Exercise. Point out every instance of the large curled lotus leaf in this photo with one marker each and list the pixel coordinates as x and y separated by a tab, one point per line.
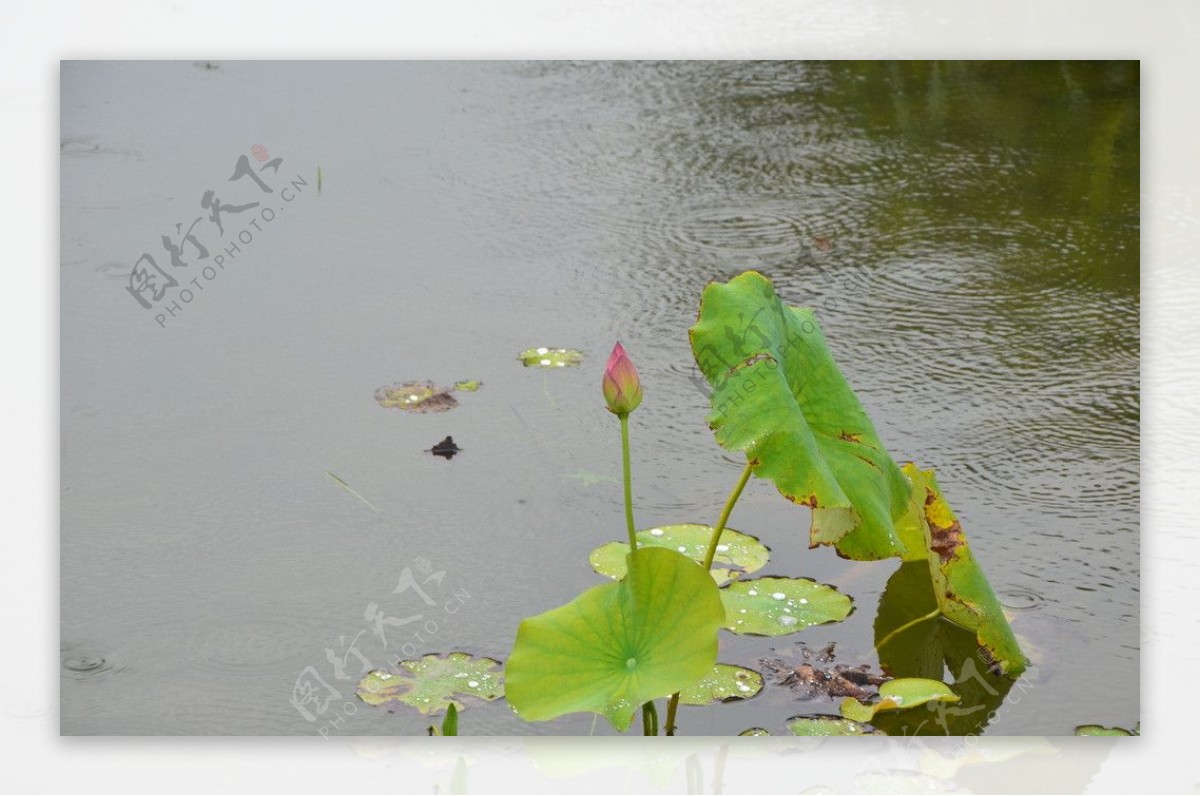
901	694
827	725
725	683
913	639
618	645
779	397
737	553
778	606
434	682
962	590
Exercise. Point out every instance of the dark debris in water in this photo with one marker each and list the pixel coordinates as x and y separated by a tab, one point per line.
446	448
811	681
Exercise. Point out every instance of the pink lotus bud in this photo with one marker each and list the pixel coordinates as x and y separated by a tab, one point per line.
622	389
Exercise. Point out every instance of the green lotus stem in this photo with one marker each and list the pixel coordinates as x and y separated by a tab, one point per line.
672	708
649	719
730	502
725	512
931	615
624	416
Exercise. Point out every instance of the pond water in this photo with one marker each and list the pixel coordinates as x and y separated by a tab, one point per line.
968	233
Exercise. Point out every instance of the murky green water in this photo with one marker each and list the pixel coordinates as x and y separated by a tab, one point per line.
969	233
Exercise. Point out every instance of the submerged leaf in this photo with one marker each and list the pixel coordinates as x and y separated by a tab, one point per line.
619	645
779	397
737	553
899	694
550	357
777	606
961	588
724	683
827	725
434	682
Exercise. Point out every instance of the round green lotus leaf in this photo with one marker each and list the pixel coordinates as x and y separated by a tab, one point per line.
618	645
828	725
1096	729
415	396
754	731
778	606
434	682
550	357
737	553
468	385
725	683
900	694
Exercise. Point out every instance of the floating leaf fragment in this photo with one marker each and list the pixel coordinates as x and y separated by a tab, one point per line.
544	357
468	385
434	682
415	396
737	553
725	683
906	692
777	606
827	725
754	731
1096	729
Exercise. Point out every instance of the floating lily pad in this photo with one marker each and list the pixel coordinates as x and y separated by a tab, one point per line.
907	692
415	396
1096	729
777	606
737	553
550	357
725	683
619	645
828	725
434	682
467	385
754	731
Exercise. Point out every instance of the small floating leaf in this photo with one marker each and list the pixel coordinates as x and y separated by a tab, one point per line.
899	694
415	396
550	357
754	731
434	682
724	683
468	385
828	725
777	606
737	553
619	645
1096	729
